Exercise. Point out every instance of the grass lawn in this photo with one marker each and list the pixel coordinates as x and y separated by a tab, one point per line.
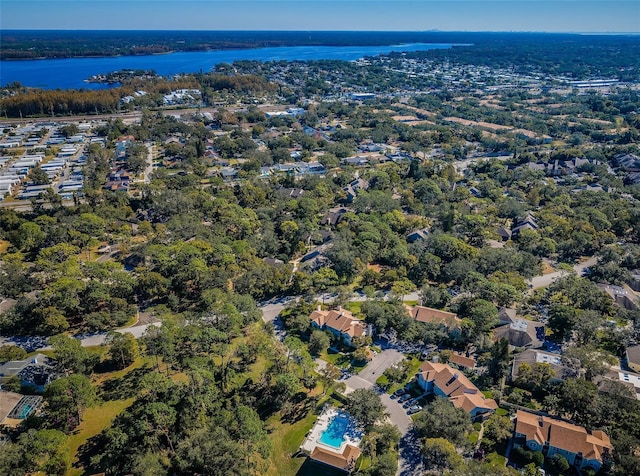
383	381
94	420
495	459
339	360
502	412
286	439
355	307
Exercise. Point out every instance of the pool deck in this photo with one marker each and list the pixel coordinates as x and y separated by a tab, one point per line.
312	439
8	401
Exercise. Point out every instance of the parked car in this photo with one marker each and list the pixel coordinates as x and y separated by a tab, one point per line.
398	393
414	409
404	398
410	403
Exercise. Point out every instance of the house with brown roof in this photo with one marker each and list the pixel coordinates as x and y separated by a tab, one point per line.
443	381
518	331
463	361
340	323
633	357
552	436
532	357
345	461
430	315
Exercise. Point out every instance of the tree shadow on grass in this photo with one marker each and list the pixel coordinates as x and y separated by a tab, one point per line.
123	387
299	408
311	468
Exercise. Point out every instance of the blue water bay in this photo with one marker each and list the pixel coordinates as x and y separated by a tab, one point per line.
70	73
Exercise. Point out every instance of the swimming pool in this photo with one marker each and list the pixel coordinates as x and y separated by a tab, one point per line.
334	434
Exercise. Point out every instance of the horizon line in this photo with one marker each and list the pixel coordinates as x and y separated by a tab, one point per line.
4	30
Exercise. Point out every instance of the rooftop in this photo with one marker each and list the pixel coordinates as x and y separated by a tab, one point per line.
563	435
434	316
633	354
340	320
456	386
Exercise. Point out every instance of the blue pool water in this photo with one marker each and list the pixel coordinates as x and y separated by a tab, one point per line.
334	434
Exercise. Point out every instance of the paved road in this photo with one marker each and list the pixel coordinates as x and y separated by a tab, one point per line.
545	280
33	343
98	339
408	459
271	309
379	364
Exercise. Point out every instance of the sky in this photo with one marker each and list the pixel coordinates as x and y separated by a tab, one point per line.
604	16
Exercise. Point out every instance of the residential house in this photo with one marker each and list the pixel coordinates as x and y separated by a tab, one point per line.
417	235
229	174
333	216
536	356
354	187
315	168
629	379
444	381
518	331
430	315
340	323
627	162
527	223
462	361
633	357
356	161
273	261
291	192
552	436
118	181
621	296
504	234
36	371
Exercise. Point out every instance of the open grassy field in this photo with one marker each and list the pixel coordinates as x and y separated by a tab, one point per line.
94	420
286	439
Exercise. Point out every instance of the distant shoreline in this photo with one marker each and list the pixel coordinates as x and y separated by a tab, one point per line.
22	45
